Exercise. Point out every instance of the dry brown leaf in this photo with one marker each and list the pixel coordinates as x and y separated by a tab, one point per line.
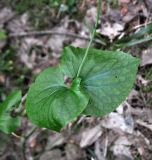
74	152
111	30
89	136
5	15
98	151
146	57
121	147
116	122
91	15
55	141
55	154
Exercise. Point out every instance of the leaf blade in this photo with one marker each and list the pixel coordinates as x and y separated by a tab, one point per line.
55	104
104	72
9	124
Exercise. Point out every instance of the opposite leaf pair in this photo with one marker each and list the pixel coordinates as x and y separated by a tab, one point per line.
104	82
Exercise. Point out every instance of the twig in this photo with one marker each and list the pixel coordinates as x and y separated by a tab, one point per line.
140	26
24	140
48	32
106	147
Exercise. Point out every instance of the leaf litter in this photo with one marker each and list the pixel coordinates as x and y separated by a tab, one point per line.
125	133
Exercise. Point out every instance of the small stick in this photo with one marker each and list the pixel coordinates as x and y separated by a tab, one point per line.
48	32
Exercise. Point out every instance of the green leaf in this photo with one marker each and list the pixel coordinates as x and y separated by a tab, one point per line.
134	38
104	82
51	104
134	42
2	35
9	124
71	2
107	77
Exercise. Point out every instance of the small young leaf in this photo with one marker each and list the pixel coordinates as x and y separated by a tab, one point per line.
51	104
9	124
107	77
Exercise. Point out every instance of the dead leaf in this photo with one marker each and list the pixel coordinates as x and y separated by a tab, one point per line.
91	16
55	141
74	152
98	151
5	15
146	57
121	147
89	136
117	122
55	154
111	30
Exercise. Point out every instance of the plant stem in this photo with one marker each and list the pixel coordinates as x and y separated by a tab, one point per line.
90	43
49	32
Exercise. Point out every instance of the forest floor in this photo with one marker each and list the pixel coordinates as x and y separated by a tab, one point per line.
34	39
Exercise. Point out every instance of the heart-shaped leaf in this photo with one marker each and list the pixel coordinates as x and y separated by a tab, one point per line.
107	76
9	124
51	104
105	81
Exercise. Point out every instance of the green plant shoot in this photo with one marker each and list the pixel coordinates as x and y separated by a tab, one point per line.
101	81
